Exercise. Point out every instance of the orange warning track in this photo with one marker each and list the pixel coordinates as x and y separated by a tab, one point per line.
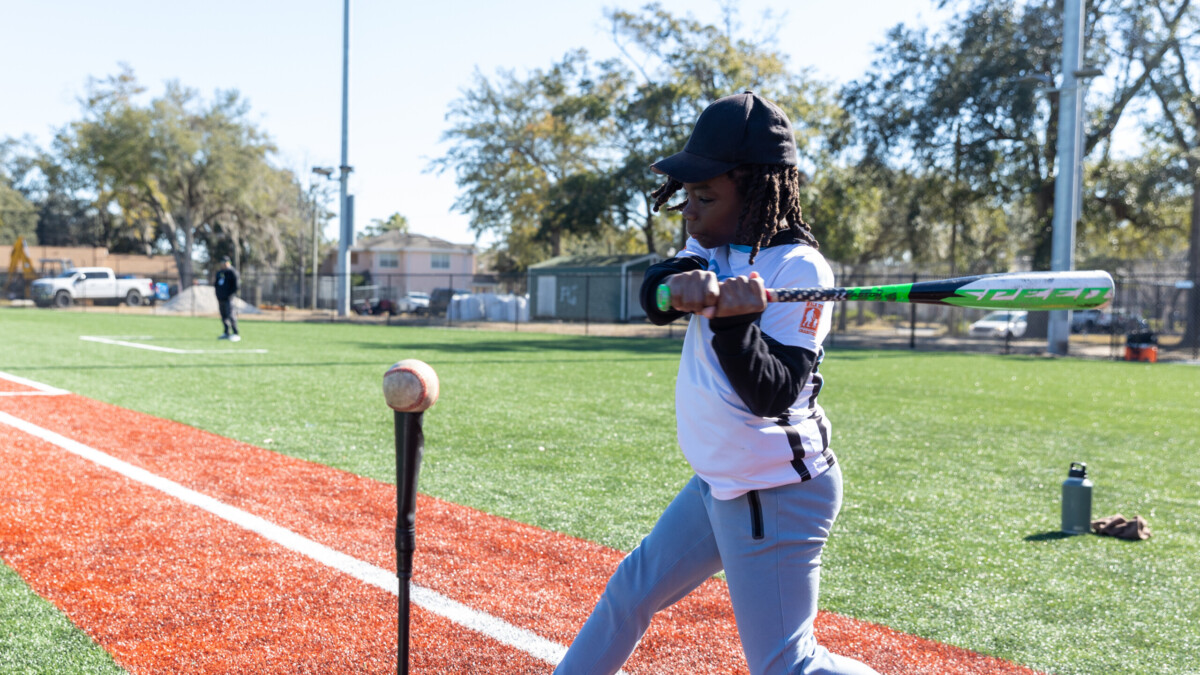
8	386
166	587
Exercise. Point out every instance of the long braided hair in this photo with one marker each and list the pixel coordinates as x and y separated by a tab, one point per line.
770	204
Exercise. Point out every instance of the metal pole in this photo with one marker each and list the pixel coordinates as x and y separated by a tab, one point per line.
300	275
912	320
1068	180
410	444
345	239
316	245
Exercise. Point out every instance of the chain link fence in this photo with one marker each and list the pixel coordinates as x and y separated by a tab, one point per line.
1156	303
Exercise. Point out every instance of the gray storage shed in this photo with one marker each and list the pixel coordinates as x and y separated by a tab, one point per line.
589	287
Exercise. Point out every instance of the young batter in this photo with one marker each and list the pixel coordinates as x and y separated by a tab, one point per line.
767	486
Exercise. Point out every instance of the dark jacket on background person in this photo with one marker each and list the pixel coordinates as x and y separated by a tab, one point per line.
227	283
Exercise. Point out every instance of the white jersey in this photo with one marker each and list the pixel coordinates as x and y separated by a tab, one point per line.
728	446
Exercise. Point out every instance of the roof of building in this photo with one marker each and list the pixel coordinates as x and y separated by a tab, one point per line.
400	241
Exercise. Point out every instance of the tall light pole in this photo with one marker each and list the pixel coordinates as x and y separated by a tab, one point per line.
346	224
1069	179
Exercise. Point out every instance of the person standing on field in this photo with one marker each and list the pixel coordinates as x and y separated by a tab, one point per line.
226	285
767	487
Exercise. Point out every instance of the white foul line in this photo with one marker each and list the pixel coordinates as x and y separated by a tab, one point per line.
430	600
169	350
39	388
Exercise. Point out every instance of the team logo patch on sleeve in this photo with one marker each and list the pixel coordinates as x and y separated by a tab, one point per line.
811	318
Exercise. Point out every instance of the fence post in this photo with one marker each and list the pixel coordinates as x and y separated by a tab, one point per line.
1191	318
912	320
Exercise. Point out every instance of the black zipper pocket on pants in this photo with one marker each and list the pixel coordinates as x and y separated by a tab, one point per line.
756	517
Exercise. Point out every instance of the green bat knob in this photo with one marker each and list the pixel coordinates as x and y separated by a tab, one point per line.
663	298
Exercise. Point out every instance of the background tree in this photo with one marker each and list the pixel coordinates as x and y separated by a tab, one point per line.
257	228
964	103
18	218
393	223
191	169
1137	207
69	209
678	67
559	161
515	139
1176	87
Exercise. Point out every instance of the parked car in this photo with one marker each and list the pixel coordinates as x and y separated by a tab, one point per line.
1117	322
439	299
413	302
375	307
363	299
368	302
1001	324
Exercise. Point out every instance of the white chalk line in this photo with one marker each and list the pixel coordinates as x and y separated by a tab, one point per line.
39	389
155	348
432	601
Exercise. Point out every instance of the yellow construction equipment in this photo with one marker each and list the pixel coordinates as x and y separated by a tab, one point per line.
20	267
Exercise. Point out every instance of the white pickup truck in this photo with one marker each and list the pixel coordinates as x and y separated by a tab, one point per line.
98	284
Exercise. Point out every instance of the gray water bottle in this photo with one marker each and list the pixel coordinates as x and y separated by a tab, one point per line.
1077	501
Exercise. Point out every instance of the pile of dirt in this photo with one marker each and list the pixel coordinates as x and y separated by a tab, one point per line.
202	300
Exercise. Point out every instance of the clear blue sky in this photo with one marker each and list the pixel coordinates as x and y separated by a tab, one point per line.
408	61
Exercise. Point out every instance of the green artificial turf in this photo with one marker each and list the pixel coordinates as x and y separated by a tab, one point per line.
953	462
37	639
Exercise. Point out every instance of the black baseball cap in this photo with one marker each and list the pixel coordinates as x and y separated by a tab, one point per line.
740	129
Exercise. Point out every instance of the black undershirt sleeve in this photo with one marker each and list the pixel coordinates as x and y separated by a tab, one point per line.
765	373
655	275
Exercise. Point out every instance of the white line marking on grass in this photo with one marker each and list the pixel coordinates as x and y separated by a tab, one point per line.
169	350
39	388
432	601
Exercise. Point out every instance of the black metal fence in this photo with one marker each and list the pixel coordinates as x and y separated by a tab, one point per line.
1156	303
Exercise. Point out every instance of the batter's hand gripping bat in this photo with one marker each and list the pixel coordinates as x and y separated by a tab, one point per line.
1014	290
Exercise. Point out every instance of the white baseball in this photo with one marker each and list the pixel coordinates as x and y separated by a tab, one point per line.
410	386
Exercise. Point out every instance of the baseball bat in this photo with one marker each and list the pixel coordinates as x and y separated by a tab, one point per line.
1035	291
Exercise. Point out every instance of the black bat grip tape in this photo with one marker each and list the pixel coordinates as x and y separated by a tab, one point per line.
807	294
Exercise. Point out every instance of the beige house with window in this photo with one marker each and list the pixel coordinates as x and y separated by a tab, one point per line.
405	262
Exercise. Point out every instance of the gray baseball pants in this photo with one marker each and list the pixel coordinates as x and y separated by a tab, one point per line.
769	544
